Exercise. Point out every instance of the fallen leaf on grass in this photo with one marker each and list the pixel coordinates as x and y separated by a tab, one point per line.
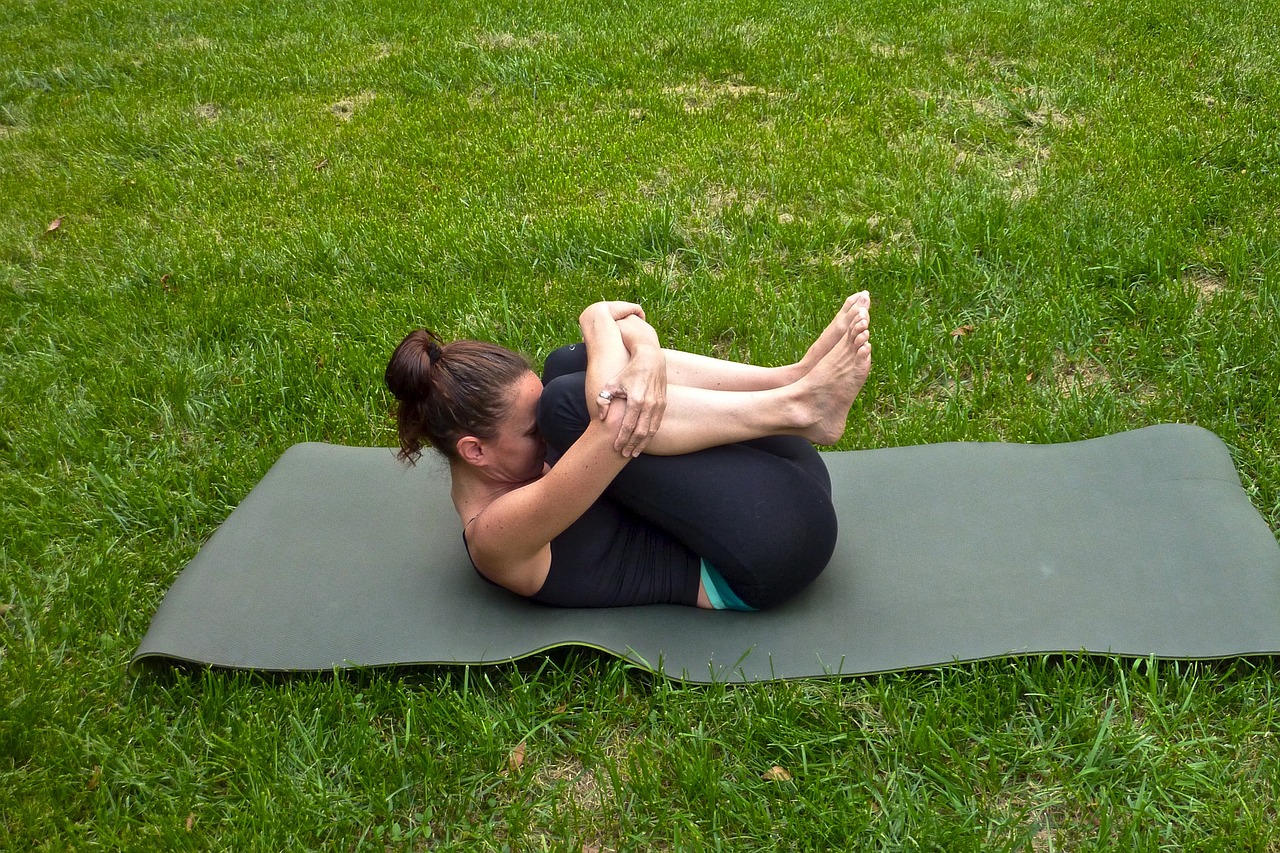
191	820
516	759
54	225
5	608
323	164
776	774
960	331
96	778
559	709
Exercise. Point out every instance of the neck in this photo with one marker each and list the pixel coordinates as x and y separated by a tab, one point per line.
475	488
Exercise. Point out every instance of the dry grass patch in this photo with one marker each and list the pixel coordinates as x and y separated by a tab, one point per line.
189	43
509	41
345	109
716	199
1206	284
703	95
751	32
206	112
669	270
1055	823
885	238
706	211
659	187
1069	374
890	51
1026	112
573	784
849	256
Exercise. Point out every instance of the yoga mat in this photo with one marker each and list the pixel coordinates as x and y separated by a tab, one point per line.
1141	543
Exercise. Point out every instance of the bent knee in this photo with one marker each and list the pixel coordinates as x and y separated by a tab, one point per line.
562	410
570	358
792	561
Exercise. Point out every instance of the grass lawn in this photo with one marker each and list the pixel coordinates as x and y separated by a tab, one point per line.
216	219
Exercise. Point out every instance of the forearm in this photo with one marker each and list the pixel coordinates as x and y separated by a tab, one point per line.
625	364
524	520
607	353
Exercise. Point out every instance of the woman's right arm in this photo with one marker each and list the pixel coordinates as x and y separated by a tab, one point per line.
511	539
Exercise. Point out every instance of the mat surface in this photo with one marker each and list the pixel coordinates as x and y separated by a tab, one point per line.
1141	543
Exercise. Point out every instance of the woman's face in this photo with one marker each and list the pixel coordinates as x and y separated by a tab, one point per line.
519	452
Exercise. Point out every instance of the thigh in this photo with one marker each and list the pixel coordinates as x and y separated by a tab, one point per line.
764	522
799	452
562	412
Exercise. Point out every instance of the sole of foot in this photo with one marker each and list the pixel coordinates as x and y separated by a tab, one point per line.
836	329
835	382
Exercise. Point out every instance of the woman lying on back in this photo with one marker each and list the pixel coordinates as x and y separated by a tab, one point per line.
631	474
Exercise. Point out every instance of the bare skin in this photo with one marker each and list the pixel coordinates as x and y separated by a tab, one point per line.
815	406
700	371
512	505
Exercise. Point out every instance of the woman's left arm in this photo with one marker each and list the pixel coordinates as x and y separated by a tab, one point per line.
636	373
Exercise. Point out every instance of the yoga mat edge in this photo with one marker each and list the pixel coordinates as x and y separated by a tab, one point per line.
1139	544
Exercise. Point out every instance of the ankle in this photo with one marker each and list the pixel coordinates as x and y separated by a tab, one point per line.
800	410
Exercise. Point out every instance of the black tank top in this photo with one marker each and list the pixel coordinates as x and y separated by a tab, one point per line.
611	558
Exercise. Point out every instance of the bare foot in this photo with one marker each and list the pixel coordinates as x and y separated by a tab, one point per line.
827	392
832	334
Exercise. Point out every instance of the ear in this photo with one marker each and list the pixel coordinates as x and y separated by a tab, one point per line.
471	450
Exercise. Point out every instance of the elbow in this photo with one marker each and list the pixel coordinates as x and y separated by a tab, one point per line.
590	312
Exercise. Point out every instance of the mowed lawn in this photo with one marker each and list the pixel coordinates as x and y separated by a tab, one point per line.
217	219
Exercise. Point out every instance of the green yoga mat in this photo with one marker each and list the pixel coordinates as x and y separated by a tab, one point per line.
1141	543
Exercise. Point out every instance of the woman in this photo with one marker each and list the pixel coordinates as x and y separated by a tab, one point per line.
692	482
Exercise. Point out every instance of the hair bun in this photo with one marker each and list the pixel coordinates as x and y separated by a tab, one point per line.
409	373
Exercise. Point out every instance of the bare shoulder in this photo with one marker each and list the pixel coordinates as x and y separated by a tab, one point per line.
491	532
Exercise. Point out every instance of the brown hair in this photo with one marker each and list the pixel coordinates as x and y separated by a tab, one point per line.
447	391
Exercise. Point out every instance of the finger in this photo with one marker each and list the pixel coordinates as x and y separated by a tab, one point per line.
602	407
646	426
641	437
628	429
603	399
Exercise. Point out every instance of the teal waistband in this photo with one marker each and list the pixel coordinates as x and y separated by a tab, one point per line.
720	594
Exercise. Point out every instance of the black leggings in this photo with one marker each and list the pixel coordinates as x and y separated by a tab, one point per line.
759	512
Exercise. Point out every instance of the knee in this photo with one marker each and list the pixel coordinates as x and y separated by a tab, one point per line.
562	410
571	358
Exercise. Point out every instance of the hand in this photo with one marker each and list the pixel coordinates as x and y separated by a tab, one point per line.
618	310
642	385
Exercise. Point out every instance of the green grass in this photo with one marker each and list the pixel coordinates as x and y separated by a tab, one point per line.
255	205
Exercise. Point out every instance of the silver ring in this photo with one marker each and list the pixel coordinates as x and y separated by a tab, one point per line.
606	396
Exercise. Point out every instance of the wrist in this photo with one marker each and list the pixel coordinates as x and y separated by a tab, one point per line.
636	333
